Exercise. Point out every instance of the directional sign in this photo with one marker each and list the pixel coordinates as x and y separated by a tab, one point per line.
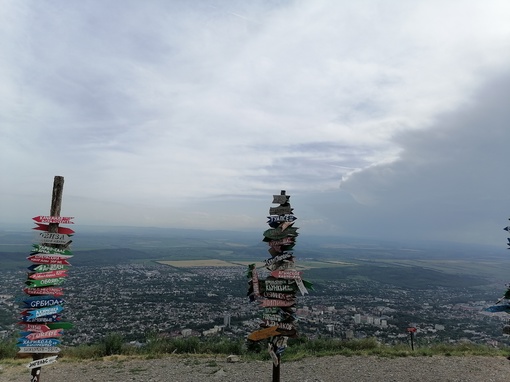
37	349
282	257
42	320
44	258
43	312
498	308
274	233
277	286
281	199
45	282
281	242
271	302
42	362
281	218
264	333
45	335
53	219
51	250
280	325
43	291
282	210
47	267
42	301
60	325
279	296
48	275
22	342
287	274
53	238
46	227
35	328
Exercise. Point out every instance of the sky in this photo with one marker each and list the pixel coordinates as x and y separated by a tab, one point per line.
381	119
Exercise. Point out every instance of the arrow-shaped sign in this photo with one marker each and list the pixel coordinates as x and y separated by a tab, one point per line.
45	335
45	258
287	274
51	250
281	303
43	312
57	292
36	349
47	267
46	227
39	343
281	199
264	333
48	275
53	238
42	362
281	218
45	282
42	301
53	219
282	210
42	320
35	328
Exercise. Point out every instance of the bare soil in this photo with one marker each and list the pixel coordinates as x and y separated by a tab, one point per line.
325	369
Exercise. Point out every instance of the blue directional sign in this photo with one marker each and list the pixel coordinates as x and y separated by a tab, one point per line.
23	342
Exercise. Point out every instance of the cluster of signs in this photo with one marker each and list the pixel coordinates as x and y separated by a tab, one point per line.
277	293
41	317
503	303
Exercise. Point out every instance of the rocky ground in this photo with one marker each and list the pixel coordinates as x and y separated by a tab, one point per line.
326	369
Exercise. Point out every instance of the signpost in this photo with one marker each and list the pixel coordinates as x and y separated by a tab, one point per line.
277	293
42	362
41	321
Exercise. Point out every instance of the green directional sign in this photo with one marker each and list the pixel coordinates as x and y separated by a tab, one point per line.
50	250
45	282
59	325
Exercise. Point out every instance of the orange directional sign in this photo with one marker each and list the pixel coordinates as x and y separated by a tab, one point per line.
264	333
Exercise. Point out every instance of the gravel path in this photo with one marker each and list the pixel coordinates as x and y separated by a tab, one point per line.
325	369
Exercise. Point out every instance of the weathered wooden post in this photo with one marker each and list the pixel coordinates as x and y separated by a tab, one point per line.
41	319
277	293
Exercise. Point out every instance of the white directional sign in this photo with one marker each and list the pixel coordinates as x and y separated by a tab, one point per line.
42	362
53	238
39	349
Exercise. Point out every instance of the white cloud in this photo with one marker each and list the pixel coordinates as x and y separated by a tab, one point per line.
173	104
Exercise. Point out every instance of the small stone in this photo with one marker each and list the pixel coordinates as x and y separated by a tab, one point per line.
233	358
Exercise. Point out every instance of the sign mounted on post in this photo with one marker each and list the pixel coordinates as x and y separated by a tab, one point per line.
53	238
42	362
46	227
42	314
53	219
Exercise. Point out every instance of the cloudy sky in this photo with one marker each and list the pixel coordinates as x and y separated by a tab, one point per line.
380	118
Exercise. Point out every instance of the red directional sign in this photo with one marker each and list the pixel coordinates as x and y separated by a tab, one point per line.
49	259
48	275
36	328
287	274
57	292
47	334
46	227
53	219
281	303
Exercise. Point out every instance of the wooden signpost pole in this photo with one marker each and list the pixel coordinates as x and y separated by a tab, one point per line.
56	204
277	293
